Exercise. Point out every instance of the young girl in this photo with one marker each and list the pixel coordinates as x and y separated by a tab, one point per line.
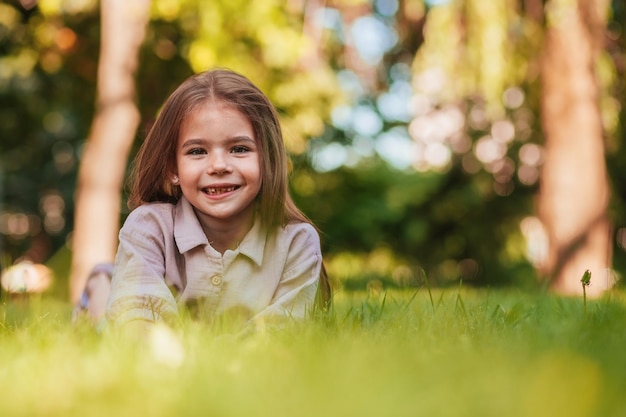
213	224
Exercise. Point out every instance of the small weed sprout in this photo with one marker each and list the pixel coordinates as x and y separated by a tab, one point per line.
585	281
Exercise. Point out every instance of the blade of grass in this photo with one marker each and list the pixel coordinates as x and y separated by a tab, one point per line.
430	294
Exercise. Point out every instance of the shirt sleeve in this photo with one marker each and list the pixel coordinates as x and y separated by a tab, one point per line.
295	294
138	288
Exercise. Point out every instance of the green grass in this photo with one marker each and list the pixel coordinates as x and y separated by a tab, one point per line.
460	353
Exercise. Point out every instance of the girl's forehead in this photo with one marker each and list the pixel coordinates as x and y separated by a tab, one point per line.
215	103
212	104
211	113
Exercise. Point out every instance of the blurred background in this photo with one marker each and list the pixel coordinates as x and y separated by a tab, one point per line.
416	128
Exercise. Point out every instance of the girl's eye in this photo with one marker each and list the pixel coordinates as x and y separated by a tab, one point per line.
239	149
196	151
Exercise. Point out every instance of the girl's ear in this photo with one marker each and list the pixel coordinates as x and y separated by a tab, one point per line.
171	186
174	179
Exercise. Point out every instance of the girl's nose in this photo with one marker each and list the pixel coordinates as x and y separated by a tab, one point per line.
218	164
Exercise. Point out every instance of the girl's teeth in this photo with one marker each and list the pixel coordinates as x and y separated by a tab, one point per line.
220	190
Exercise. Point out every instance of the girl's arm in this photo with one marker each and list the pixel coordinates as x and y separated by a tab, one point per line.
138	288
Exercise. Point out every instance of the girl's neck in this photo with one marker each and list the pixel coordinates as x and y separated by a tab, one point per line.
223	237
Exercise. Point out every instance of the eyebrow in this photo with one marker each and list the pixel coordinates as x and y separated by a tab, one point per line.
235	139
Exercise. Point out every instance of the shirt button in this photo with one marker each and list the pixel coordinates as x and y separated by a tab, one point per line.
216	280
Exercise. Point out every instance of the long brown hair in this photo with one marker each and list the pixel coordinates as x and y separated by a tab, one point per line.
156	160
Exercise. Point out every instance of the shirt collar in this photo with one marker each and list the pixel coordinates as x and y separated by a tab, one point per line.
188	233
253	244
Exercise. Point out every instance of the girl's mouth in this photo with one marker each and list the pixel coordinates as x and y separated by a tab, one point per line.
220	190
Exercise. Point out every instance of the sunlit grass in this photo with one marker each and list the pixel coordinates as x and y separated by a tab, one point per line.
462	352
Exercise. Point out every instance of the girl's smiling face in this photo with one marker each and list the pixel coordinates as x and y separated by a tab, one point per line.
218	166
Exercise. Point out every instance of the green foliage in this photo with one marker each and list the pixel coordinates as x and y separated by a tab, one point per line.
499	48
44	115
443	223
481	35
498	353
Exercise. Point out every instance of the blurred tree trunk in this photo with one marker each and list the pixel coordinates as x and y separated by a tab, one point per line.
574	192
103	163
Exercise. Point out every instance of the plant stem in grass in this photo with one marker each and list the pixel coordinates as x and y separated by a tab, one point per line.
585	281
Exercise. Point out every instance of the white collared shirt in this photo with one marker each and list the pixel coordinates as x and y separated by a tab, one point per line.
164	259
